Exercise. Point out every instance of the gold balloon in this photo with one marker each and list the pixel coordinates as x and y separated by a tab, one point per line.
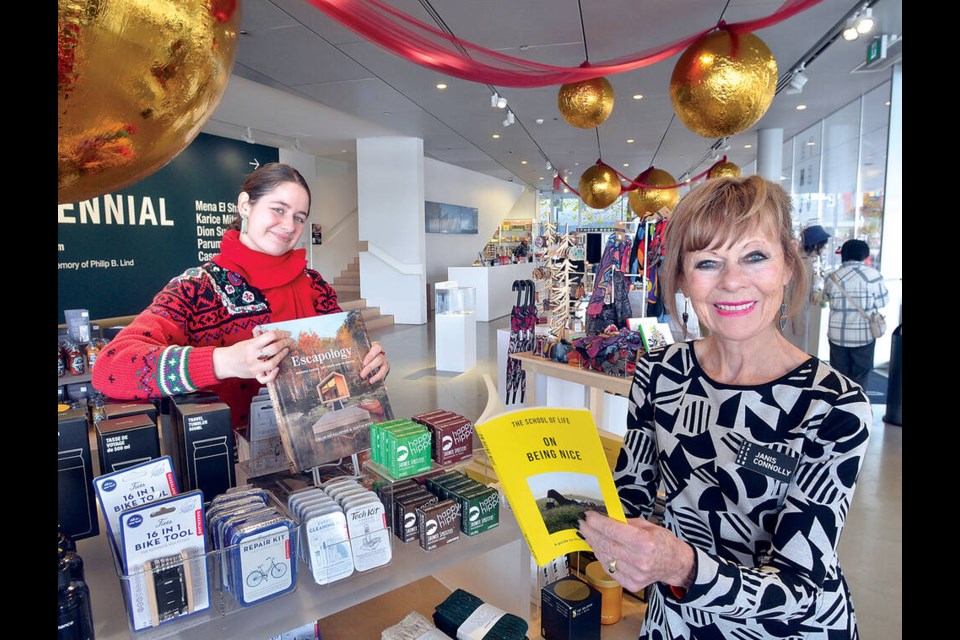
723	83
599	186
586	104
644	201
137	79
724	170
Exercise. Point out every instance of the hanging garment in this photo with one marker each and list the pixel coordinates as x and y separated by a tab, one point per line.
653	256
615	258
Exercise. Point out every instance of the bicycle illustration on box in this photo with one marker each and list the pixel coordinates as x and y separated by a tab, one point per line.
274	570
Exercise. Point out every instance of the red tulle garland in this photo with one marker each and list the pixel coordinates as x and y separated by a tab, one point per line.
430	47
636	184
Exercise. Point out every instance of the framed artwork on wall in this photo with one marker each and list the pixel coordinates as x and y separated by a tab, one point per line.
450	218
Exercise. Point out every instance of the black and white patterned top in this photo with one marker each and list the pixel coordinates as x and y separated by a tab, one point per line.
758	480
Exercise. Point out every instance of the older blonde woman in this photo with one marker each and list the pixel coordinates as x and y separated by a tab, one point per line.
755	445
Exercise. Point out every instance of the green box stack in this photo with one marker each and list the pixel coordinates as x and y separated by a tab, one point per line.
479	504
402	447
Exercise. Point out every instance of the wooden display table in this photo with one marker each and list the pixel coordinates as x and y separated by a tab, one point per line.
569	386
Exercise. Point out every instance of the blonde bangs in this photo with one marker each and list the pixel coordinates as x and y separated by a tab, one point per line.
717	213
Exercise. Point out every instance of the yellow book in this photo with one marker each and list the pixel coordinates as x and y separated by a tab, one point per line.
552	467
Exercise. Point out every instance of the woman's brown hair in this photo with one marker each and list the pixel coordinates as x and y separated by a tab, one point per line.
715	213
265	179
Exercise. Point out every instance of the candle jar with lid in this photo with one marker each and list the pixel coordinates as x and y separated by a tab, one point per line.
611	605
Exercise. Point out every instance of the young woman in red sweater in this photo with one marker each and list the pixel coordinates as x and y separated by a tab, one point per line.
198	331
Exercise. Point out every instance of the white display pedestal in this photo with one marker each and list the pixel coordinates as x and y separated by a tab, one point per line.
456	341
495	296
455	332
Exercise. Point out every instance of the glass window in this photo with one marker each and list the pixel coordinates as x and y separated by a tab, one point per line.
841	152
805	177
568	212
873	165
836	173
786	171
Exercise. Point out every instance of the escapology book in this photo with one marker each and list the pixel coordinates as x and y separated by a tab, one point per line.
551	465
324	409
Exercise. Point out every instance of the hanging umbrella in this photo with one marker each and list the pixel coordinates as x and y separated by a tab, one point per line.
515	371
528	324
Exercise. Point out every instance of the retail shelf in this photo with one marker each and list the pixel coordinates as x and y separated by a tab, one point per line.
310	601
618	385
70	378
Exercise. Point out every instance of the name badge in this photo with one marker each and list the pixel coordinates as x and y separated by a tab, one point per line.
773	464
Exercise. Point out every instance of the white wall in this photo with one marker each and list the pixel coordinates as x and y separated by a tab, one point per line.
333	205
390	196
494	199
335	200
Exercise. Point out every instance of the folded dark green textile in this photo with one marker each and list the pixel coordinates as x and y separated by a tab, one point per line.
452	612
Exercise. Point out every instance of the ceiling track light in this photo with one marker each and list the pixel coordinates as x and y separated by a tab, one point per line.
510	119
248	136
296	144
797	79
497	101
865	22
850	32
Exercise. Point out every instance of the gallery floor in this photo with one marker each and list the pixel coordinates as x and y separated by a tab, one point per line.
871	546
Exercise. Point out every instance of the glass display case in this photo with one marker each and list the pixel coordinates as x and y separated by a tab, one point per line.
456	326
455	300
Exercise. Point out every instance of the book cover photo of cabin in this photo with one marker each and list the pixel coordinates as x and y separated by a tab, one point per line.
324	409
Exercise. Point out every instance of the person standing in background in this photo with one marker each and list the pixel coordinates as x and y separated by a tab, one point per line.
521	251
848	331
803	330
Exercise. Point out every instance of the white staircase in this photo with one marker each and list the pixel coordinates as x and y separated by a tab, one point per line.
347	286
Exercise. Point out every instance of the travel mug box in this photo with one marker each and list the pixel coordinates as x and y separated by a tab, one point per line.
570	610
124	442
79	390
76	500
174	445
205	433
122	409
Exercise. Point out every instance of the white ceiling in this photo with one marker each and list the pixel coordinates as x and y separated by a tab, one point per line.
338	87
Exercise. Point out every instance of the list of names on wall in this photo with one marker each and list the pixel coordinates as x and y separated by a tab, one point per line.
212	219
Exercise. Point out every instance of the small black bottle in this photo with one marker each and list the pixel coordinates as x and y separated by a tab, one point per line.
74	615
72	564
65	542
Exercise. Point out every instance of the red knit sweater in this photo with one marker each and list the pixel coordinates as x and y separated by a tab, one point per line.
168	349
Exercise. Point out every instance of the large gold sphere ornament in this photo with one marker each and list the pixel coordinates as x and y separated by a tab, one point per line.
599	186
586	104
136	81
644	201
723	83
723	170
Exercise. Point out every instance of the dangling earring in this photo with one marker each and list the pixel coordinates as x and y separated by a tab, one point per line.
685	317
783	312
243	224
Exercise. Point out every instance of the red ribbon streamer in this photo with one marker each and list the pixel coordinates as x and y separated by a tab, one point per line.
635	184
430	47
